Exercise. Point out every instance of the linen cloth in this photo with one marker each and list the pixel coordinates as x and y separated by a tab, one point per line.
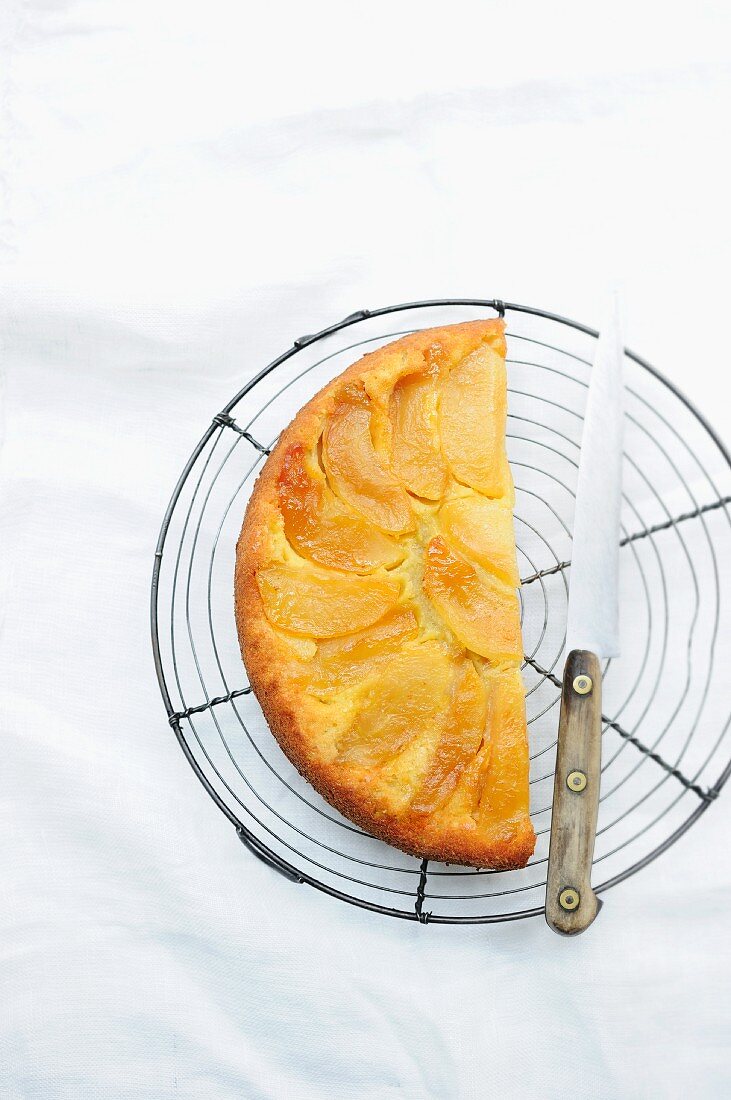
185	189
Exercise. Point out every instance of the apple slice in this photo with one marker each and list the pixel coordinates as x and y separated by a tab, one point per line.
416	457
321	527
472	418
321	603
461	738
355	470
353	657
397	706
482	530
493	786
482	612
505	792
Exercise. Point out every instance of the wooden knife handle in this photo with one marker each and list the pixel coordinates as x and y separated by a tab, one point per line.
571	904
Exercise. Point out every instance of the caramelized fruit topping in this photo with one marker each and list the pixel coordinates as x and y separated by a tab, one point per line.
504	793
353	657
461	737
481	611
472	417
398	707
416	457
355	470
320	527
321	603
482	530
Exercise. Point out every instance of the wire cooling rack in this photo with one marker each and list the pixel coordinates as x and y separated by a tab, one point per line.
666	700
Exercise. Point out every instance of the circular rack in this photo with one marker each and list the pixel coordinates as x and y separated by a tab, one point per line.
666	700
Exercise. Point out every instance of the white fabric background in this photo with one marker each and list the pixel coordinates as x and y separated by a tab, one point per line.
186	187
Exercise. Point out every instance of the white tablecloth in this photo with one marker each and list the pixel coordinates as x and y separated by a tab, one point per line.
185	188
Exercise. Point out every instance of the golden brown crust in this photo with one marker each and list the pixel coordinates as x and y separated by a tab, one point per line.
290	712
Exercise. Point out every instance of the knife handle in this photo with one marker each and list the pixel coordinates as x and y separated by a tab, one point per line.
571	904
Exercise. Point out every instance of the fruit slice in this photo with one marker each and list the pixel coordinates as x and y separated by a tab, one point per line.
482	612
321	527
397	706
482	530
355	470
321	603
472	418
461	738
493	787
465	802
352	657
505	791
416	457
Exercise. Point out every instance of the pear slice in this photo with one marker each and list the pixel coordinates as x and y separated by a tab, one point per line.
460	740
355	470
320	527
416	456
472	420
321	603
482	612
482	530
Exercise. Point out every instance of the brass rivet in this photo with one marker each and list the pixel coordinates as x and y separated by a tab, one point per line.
569	899
576	781
583	684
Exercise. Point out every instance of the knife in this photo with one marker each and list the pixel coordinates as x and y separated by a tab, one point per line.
592	634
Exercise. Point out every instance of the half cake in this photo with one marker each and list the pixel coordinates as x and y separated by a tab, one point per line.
376	600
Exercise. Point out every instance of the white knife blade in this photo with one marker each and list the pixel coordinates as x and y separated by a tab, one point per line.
593	615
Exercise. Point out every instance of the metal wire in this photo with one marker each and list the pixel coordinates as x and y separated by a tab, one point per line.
660	719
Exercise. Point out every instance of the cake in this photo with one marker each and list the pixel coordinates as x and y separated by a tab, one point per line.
376	603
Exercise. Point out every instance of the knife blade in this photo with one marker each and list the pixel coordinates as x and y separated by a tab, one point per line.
592	634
